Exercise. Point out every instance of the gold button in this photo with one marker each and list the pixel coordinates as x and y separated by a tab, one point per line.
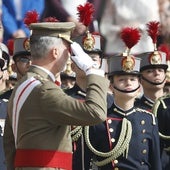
116	161
116	168
144	131
144	151
111	130
142	122
113	140
144	140
109	121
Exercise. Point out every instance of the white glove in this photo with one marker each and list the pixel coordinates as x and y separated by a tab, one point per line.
83	60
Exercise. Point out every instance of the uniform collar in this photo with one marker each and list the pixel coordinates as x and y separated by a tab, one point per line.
119	110
50	74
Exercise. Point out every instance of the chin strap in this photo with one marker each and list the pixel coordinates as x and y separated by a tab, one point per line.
153	82
124	91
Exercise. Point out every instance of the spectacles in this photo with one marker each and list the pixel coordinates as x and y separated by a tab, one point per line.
24	60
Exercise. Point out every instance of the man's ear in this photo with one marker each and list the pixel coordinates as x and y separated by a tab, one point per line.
55	52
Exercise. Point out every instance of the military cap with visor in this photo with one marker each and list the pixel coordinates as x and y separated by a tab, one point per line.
48	27
53	29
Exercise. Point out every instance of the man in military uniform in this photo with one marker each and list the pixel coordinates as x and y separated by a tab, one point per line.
129	138
37	130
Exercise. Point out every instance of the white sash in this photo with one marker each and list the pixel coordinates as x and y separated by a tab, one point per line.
21	95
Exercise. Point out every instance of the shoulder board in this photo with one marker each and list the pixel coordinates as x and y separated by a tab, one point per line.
150	113
143	110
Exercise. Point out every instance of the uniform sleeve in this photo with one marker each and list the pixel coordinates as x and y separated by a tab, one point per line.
67	110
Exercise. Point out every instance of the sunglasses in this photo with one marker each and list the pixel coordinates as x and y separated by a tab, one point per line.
24	60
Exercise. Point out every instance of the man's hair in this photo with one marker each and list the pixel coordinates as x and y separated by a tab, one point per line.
40	45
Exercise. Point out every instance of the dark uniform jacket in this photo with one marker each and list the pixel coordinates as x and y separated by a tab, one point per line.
143	151
162	111
144	103
79	147
163	125
45	118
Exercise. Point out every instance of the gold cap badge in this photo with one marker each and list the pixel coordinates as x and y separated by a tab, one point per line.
128	63
155	58
89	42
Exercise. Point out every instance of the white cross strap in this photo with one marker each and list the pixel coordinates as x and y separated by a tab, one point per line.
21	95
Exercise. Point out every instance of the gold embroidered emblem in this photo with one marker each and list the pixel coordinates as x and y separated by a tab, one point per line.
155	58
128	63
89	42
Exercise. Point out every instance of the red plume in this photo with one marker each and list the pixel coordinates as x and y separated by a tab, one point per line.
153	30
85	13
50	19
166	49
10	45
31	17
130	36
